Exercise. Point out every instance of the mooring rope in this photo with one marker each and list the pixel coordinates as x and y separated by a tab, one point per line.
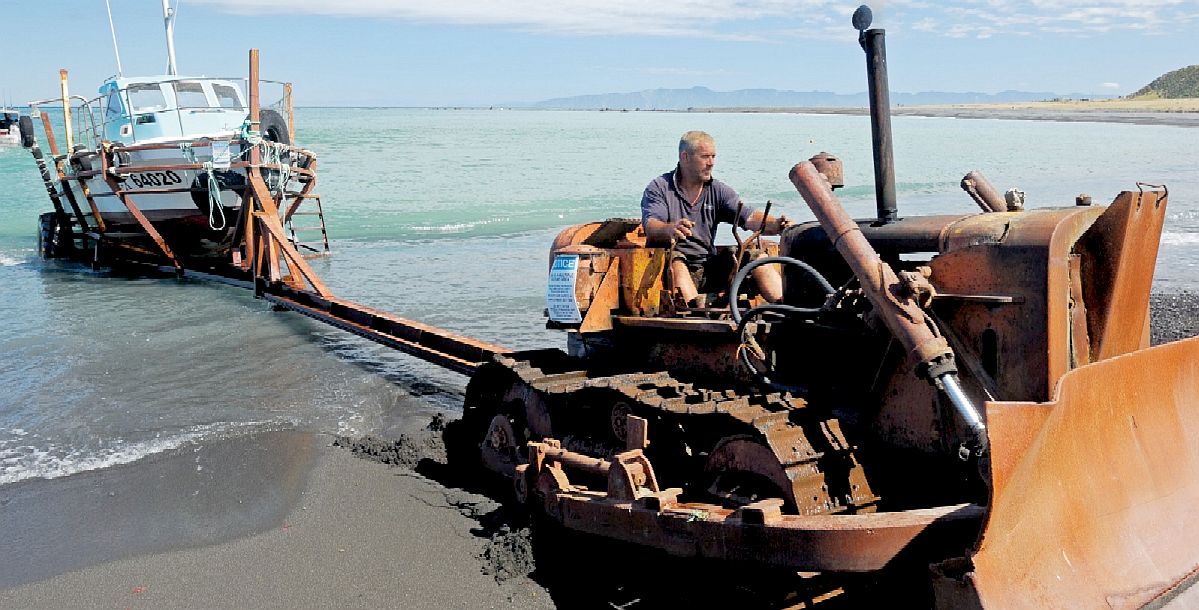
215	206
272	154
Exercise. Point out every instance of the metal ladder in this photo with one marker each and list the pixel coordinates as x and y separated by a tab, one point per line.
310	248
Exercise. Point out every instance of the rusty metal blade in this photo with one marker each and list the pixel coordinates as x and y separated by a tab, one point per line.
1096	494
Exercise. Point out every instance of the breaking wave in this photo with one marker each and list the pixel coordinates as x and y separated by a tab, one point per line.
21	460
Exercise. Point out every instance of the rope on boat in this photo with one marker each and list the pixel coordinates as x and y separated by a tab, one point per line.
272	154
215	206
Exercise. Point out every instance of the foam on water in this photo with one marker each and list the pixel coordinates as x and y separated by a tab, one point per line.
1179	239
19	462
459	227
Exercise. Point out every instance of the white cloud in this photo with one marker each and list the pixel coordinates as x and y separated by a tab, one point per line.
754	20
1110	85
707	18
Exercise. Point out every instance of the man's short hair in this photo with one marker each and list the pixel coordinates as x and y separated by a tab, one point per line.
691	139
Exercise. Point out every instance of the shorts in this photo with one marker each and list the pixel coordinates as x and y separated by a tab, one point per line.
714	274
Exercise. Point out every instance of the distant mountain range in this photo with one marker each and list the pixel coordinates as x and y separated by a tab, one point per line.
703	97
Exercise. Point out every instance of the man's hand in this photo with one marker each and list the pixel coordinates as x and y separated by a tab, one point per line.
681	229
769	226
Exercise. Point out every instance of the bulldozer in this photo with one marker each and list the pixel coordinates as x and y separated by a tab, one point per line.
967	400
973	394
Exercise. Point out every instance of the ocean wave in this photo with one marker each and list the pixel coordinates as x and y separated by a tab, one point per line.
1180	239
458	227
8	261
52	461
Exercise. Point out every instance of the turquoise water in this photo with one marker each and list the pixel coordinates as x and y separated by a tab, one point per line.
446	216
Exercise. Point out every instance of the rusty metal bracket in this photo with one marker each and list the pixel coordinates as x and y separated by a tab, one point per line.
1162	197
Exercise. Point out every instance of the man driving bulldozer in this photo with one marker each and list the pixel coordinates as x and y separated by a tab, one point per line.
683	208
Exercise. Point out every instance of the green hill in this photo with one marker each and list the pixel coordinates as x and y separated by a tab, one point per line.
1183	82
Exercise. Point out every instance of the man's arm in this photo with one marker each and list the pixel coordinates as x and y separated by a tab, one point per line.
653	210
774	225
661	231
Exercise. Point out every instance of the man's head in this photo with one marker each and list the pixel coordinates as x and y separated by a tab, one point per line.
697	156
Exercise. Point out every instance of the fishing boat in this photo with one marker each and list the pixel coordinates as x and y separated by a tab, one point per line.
163	165
9	131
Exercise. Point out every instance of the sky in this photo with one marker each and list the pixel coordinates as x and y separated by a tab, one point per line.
501	52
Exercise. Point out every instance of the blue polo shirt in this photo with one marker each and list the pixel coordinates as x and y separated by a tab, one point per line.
717	203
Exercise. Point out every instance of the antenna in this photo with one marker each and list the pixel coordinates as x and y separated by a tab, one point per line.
168	18
112	28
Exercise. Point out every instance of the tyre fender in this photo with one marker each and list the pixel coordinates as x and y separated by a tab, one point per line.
272	127
25	124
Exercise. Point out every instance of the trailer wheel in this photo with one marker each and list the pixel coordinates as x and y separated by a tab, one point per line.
43	233
52	241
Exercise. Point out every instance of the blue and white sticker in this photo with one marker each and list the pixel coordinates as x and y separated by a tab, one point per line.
222	158
560	292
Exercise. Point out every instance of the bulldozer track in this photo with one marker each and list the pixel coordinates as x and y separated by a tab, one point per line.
732	446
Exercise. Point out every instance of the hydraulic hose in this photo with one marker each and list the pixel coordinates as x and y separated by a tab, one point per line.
775	309
735	287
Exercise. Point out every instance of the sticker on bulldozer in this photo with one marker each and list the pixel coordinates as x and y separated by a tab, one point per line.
560	292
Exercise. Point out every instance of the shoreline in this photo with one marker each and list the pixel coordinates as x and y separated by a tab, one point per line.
1174	113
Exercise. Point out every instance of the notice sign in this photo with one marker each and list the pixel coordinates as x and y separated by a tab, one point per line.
221	157
560	293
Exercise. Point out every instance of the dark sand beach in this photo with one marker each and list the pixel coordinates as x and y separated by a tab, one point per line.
281	520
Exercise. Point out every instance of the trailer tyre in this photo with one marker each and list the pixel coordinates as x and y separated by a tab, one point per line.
52	238
26	126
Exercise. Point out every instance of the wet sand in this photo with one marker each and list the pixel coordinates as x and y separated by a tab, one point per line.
284	520
295	520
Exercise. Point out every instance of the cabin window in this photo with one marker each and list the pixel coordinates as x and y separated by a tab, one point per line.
190	94
112	106
146	97
227	96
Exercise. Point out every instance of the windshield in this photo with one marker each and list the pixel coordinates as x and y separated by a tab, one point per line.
112	107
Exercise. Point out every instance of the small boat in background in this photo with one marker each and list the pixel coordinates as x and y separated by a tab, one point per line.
160	166
9	131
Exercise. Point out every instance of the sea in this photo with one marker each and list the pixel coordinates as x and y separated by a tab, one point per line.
446	216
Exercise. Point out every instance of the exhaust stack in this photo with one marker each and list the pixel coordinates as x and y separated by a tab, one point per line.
874	43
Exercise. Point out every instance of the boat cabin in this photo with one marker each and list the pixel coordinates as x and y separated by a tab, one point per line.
8	126
156	108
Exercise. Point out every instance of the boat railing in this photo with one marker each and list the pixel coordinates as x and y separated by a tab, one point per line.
84	129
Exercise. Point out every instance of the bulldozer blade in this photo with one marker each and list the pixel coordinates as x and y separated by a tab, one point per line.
1096	494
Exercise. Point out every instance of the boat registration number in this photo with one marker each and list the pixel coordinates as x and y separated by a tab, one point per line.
147	179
